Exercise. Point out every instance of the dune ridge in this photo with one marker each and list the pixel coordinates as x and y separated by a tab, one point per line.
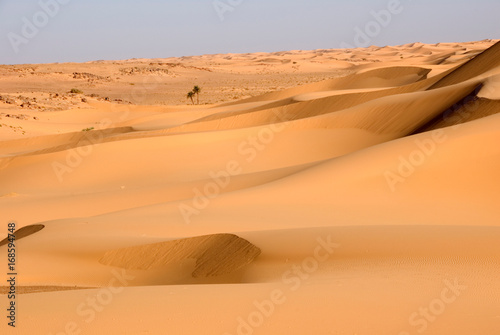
487	60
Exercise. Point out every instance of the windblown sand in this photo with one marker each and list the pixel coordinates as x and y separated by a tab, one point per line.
310	192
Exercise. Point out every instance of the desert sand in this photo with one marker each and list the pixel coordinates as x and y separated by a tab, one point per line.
310	192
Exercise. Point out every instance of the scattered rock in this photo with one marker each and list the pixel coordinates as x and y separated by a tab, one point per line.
143	70
90	77
16	116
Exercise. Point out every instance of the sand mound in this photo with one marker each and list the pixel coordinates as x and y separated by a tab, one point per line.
24	232
215	254
440	58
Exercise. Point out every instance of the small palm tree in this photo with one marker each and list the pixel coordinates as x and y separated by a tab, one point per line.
190	95
197	91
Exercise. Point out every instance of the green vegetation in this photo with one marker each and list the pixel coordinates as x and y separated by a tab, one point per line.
190	95
196	91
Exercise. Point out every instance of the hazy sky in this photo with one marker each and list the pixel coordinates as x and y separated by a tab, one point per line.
83	30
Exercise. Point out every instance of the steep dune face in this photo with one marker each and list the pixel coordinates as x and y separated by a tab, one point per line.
379	187
469	109
485	61
478	104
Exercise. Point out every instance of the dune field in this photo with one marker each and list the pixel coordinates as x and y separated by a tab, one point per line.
346	192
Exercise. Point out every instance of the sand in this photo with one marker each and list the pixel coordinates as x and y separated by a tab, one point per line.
310	192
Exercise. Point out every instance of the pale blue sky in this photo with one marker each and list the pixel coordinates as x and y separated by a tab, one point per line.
84	30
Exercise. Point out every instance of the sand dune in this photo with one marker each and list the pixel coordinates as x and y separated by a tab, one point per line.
215	255
478	65
327	191
376	78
